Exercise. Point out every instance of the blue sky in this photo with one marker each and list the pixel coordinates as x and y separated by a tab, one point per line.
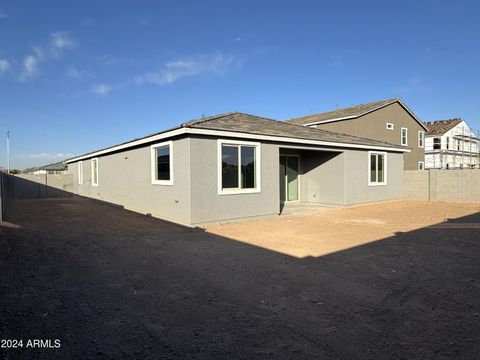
78	76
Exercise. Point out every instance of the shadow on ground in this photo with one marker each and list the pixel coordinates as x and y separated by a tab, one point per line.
113	284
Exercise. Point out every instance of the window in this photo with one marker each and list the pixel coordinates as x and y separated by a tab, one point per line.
404	136
436	144
239	167
94	172
377	168
389	126
421	165
80	172
162	164
448	143
421	138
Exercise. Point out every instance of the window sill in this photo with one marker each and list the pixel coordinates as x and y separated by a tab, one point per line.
166	182
238	191
377	184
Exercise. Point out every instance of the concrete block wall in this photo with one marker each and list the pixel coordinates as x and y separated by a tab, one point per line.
27	186
443	185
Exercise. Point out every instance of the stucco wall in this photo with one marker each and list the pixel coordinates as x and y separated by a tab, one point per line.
210	207
322	177
124	178
373	126
356	185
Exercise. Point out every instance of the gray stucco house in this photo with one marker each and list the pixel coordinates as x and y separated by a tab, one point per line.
386	120
237	166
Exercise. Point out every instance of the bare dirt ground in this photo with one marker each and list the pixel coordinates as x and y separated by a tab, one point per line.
329	230
390	280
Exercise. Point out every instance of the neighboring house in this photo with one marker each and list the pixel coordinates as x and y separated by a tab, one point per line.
238	166
386	120
451	144
57	168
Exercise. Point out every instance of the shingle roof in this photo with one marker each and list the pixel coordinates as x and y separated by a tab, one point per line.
353	111
440	127
249	124
245	123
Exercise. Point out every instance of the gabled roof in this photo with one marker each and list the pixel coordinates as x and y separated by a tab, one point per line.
351	112
440	127
240	125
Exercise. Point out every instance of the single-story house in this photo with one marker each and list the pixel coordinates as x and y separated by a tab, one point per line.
238	166
386	120
56	168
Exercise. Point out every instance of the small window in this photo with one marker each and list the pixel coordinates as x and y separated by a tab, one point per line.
437	144
390	126
94	172
238	167
161	163
421	165
404	136
421	139
448	143
80	172
377	168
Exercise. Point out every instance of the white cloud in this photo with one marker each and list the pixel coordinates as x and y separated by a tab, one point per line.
73	73
44	156
3	14
30	67
60	42
4	65
213	64
102	89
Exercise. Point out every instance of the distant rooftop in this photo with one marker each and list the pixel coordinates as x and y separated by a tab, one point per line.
352	111
440	127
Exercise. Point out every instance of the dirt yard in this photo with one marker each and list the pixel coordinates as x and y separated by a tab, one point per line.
396	280
330	230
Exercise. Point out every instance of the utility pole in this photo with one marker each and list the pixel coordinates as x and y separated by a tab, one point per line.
8	152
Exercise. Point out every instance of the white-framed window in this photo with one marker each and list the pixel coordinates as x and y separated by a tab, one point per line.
377	168
437	143
448	143
389	126
421	139
404	136
162	163
421	165
80	172
95	172
238	167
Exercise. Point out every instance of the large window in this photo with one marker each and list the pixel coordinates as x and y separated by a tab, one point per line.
80	172
238	167
437	144
377	168
94	172
404	136
161	163
421	139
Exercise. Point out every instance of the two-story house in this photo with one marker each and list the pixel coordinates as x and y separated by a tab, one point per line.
450	144
386	120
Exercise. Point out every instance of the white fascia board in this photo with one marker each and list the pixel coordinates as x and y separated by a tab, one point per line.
290	140
130	144
332	120
234	134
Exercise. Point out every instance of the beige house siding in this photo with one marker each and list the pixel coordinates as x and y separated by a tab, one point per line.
373	126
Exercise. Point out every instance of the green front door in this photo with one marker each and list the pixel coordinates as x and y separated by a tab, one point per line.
288	178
